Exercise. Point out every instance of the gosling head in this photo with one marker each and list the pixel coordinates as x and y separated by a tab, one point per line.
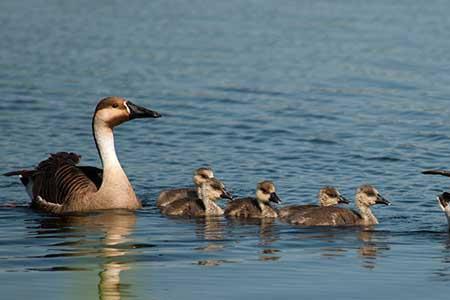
113	111
213	189
367	195
201	175
266	192
329	196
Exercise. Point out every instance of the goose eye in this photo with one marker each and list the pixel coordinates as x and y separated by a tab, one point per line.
115	105
204	176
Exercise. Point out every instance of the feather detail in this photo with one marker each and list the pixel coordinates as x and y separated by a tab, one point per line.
58	179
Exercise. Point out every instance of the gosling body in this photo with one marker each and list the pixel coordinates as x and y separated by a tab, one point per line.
328	196
166	197
366	196
257	207
201	206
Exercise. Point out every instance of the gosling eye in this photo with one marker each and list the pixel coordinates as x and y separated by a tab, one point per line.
115	105
370	194
204	176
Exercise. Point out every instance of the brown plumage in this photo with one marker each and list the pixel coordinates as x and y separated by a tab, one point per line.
169	196
325	216
366	196
190	207
200	176
258	207
249	208
58	185
328	196
203	204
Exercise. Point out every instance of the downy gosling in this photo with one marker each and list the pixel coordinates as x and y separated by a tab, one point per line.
328	196
200	176
201	206
366	196
258	207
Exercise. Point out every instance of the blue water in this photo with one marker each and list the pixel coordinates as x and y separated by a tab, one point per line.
305	93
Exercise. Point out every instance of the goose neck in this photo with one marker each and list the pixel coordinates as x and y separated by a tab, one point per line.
367	215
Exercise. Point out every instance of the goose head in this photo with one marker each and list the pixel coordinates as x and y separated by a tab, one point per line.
266	192
201	175
113	111
213	189
367	195
329	196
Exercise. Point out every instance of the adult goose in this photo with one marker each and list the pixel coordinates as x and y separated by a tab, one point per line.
328	196
444	198
444	204
366	196
201	175
258	207
59	186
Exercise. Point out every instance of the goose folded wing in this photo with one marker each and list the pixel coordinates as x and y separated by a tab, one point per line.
58	179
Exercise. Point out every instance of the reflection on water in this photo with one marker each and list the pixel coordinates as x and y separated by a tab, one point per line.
210	228
443	272
266	229
373	245
338	243
104	235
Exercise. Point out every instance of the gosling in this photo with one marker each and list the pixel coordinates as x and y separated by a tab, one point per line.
366	196
200	176
328	196
258	207
201	206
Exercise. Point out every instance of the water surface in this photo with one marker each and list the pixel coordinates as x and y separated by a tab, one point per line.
305	93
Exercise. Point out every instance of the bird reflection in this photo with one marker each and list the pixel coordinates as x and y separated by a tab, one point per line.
338	241
443	272
209	228
268	234
371	247
114	229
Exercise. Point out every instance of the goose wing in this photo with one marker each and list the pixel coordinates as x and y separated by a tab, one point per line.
437	172
58	178
94	174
